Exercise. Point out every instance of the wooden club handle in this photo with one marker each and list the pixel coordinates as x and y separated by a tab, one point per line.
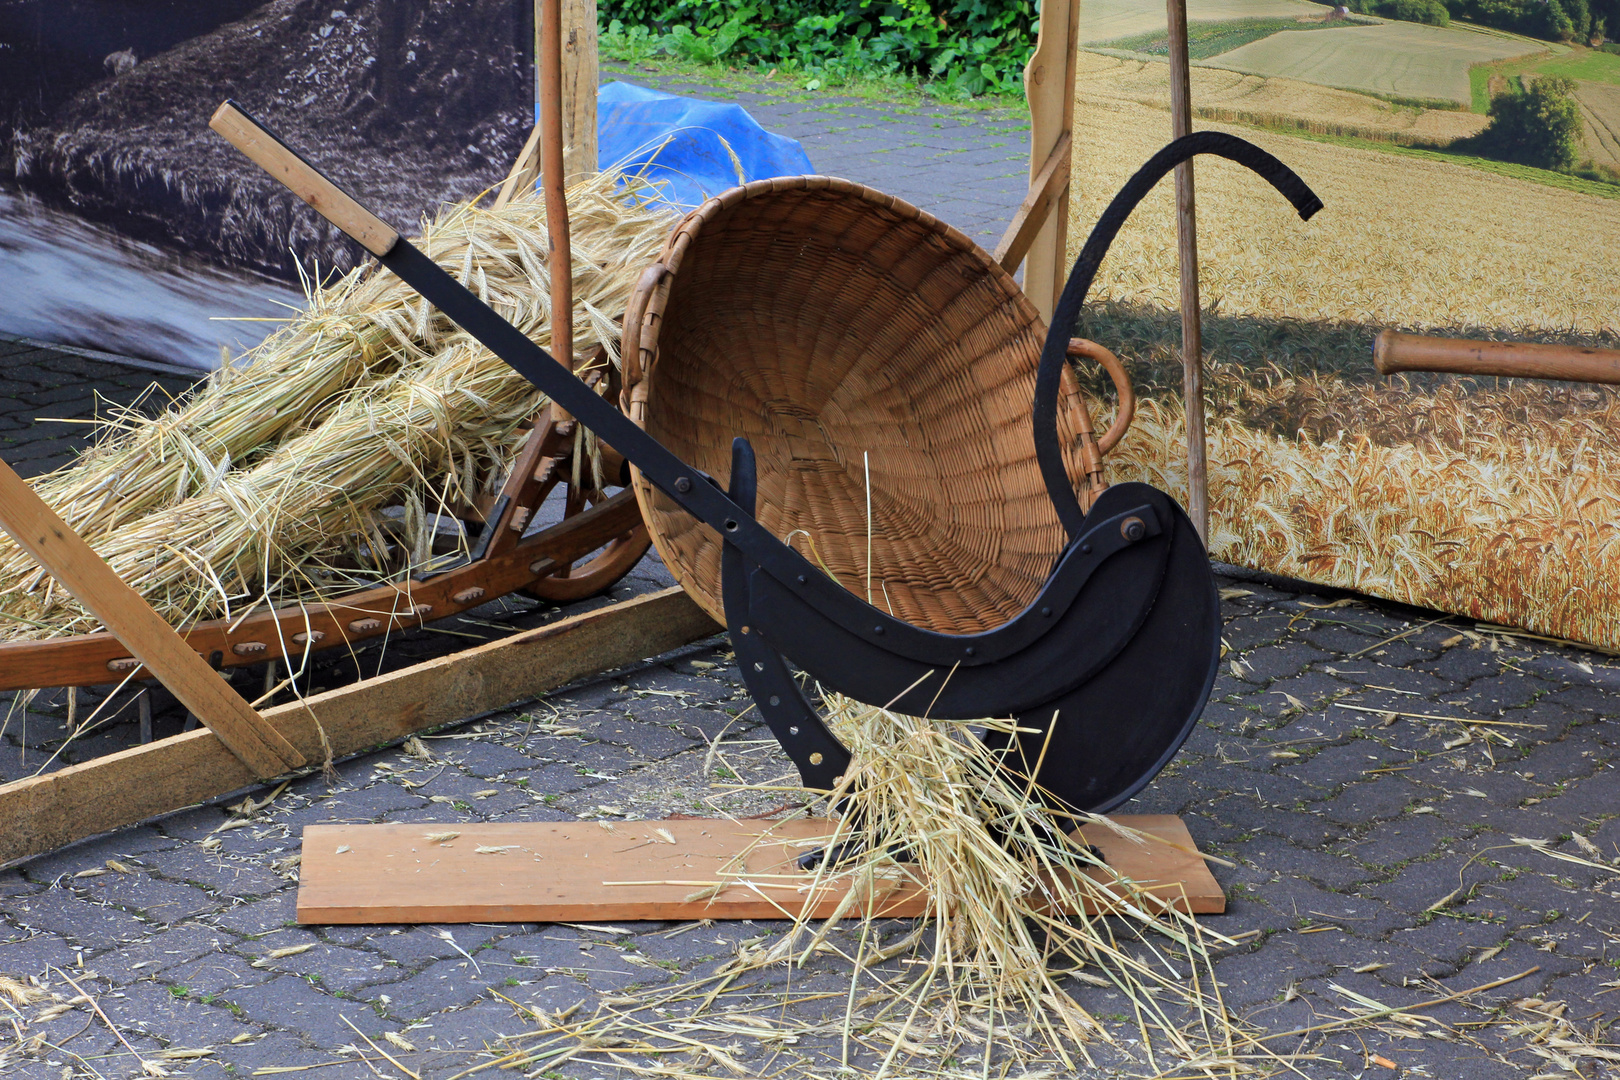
301	178
1394	352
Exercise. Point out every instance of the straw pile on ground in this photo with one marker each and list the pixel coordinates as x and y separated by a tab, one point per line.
267	484
1000	977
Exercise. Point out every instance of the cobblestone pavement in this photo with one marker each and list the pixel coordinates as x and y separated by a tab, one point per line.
1401	858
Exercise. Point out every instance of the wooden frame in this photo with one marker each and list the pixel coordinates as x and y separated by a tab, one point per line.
48	811
1038	233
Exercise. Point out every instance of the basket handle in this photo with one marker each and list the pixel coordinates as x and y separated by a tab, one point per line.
634	314
1126	411
1054	353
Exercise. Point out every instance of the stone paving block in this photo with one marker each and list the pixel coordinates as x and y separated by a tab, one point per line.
166	948
1251	978
156	900
491	759
181	1021
414	945
339	970
79	921
257	918
284	1049
215	974
231	877
645	740
126	845
32	953
292	1004
443	984
1308	904
1331	871
1380	799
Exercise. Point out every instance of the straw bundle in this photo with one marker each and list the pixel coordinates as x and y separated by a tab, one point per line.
266	485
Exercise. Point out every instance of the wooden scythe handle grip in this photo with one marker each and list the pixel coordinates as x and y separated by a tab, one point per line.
1394	352
276	158
1122	386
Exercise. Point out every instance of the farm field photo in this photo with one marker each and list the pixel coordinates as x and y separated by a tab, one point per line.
1492	498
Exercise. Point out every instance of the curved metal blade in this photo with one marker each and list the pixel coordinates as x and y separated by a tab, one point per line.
1113	733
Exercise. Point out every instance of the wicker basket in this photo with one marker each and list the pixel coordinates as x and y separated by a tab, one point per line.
843	332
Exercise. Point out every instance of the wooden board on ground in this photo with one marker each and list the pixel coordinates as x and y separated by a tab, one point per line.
586	871
45	812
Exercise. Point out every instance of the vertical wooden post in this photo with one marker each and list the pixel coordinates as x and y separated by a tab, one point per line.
1192	331
580	76
1049	85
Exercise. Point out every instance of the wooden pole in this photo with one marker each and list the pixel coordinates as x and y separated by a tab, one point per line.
1394	352
1192	331
1049	86
551	179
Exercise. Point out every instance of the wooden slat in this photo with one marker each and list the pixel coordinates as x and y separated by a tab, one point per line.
91	659
45	812
580	871
1049	183
1049	87
230	720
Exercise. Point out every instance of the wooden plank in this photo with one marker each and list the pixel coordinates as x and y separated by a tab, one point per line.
91	659
329	200
580	74
1049	86
59	549
1033	212
524	170
543	871
1192	330
45	812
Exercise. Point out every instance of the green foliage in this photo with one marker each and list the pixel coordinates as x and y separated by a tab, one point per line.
965	47
1539	125
1432	12
1550	20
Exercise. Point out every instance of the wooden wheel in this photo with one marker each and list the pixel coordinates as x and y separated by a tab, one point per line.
597	573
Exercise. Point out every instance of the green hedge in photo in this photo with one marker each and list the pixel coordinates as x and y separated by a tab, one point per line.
959	47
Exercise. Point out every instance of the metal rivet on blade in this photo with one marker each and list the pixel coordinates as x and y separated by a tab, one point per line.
775	700
683	485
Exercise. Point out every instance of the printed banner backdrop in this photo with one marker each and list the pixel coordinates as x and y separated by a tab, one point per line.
1494	499
127	226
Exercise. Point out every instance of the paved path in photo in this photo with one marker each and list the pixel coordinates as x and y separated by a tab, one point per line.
1410	808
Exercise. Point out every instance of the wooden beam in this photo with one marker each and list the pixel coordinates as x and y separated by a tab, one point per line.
233	727
1192	330
580	75
1036	208
1049	86
45	812
546	871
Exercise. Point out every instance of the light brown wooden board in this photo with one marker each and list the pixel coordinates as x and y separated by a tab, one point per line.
576	871
44	812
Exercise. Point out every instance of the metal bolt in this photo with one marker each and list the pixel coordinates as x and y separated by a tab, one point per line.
1133	529
683	485
815	759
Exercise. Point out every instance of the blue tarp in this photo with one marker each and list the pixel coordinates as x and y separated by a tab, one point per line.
680	143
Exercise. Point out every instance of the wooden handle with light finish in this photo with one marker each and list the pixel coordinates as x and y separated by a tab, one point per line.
301	178
1394	352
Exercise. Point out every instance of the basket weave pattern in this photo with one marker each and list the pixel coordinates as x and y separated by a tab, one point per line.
834	326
